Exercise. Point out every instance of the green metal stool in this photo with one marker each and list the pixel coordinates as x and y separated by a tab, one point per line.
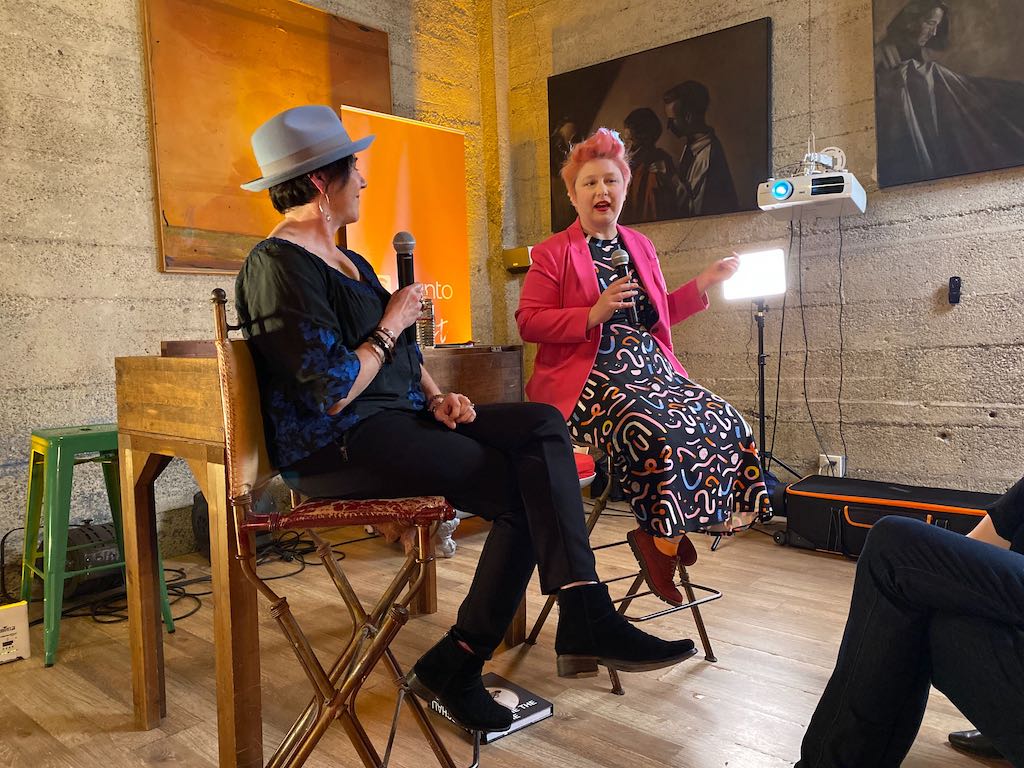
55	452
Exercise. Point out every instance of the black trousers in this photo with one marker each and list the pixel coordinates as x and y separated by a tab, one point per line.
513	466
929	607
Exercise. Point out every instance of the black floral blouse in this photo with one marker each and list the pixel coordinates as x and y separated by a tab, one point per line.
303	320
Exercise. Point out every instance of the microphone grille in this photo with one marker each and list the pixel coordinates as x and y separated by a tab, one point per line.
619	258
404	242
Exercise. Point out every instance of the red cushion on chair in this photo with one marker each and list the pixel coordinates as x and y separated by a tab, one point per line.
585	466
326	513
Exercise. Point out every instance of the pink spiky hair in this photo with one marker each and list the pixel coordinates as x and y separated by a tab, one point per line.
603	143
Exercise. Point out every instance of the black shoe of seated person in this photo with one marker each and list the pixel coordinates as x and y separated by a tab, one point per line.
591	632
451	674
974	743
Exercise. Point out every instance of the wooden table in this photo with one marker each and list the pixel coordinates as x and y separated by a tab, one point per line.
169	407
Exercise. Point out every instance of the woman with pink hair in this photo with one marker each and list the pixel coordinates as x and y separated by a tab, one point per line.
685	458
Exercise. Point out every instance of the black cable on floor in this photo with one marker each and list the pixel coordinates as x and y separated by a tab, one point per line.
111	607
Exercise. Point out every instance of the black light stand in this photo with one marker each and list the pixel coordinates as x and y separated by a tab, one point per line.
762	360
766	455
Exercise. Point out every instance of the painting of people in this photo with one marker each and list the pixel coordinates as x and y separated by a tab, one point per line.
694	115
949	88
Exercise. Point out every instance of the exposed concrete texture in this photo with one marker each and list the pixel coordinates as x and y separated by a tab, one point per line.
78	240
931	394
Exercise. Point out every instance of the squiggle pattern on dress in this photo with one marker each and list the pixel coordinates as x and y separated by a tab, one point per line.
684	456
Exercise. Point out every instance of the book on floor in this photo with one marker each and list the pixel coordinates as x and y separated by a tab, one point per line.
527	707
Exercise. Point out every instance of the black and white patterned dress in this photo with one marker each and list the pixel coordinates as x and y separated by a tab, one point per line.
684	457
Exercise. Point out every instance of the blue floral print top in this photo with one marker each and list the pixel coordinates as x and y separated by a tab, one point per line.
303	319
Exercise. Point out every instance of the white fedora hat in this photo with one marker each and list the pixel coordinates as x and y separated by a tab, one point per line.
297	141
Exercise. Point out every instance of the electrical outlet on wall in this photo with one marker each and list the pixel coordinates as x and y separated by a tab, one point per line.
833	466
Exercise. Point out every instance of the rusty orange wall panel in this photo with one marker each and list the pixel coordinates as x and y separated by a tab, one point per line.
218	69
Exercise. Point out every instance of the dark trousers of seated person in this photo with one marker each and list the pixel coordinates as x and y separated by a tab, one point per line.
513	466
929	607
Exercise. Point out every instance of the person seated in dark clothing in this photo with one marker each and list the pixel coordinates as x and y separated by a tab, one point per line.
930	607
350	412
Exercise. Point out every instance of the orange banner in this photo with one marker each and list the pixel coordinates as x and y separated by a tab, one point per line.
416	177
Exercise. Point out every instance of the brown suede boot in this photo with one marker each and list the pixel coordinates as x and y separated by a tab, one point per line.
657	568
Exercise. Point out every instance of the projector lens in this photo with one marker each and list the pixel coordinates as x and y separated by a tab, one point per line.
781	190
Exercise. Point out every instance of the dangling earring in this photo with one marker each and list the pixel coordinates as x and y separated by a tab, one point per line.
320	205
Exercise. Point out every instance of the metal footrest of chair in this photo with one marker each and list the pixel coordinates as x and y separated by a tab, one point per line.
609	545
713	594
405	689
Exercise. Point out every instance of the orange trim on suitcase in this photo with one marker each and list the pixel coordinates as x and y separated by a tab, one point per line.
846	514
890	503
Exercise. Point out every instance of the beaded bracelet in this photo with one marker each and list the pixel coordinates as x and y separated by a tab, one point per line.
385	336
387	332
380	342
377	353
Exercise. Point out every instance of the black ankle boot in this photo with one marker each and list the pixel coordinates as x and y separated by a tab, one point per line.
451	675
592	632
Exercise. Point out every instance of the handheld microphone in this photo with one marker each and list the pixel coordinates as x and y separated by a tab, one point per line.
404	244
620	260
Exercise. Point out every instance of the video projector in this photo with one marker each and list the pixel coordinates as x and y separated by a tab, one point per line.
824	190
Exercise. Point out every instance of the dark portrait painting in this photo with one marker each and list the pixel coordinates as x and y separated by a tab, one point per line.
949	87
694	115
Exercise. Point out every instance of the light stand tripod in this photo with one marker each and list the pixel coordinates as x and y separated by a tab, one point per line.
759	275
766	455
762	360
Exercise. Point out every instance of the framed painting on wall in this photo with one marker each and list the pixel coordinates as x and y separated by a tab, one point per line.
949	88
217	70
695	116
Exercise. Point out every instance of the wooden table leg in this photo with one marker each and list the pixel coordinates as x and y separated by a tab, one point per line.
236	629
138	516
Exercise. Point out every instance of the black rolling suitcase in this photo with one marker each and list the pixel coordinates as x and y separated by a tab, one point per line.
834	514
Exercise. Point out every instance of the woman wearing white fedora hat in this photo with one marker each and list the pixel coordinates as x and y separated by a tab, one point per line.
350	412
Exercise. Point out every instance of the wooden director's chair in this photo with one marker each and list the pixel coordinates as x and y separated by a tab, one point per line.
334	688
586	469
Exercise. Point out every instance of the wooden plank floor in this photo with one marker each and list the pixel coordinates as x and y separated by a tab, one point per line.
775	633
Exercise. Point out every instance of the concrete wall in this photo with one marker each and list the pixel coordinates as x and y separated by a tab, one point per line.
931	394
78	248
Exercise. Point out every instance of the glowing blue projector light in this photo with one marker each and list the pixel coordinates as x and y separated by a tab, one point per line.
782	190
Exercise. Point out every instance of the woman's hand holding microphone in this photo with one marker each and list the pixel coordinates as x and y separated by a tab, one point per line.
618	295
403	309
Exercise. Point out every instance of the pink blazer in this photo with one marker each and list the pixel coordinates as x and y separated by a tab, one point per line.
559	291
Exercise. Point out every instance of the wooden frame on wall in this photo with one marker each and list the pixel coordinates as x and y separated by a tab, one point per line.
216	70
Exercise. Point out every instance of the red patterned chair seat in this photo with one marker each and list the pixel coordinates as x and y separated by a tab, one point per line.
324	513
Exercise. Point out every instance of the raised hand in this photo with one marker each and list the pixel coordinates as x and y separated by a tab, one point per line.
717	272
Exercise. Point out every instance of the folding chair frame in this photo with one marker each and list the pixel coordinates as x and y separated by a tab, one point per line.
633	593
335	688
